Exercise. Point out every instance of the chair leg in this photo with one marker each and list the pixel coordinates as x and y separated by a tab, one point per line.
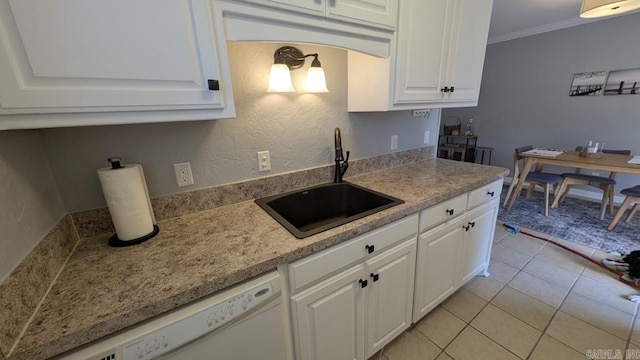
633	210
530	191
610	188
567	187
603	204
546	199
508	197
557	196
621	210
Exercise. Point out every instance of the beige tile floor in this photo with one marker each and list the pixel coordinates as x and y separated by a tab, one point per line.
540	302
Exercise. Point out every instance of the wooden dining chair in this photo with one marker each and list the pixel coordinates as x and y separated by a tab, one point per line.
604	183
633	197
537	177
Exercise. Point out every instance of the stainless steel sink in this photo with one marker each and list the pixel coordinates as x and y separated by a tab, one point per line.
315	209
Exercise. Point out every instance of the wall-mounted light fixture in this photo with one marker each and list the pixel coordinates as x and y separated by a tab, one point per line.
289	58
601	8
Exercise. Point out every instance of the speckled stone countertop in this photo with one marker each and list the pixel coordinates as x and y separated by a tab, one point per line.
102	289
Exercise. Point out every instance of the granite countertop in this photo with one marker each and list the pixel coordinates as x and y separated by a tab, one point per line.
102	289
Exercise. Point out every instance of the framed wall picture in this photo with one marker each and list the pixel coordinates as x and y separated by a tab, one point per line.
623	82
588	83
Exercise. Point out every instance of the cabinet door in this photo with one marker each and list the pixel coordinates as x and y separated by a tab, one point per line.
90	55
468	43
437	277
478	240
422	40
390	294
329	318
379	13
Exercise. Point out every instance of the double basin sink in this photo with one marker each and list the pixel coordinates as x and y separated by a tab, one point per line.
315	209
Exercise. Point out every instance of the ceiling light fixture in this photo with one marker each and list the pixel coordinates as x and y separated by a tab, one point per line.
601	8
289	58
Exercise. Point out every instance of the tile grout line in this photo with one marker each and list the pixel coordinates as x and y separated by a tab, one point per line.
544	331
633	325
489	301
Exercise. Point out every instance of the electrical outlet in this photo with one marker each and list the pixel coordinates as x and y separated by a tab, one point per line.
264	161
184	176
427	135
424	112
394	142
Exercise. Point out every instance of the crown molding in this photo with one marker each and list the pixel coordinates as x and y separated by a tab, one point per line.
550	27
539	30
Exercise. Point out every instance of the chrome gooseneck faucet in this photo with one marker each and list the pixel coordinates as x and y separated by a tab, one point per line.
342	164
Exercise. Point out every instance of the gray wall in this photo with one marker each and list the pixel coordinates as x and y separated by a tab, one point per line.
524	96
296	128
30	204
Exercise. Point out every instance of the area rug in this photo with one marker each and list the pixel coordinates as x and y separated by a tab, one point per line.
574	220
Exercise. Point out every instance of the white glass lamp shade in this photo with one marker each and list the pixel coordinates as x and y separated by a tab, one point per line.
601	8
280	79
315	81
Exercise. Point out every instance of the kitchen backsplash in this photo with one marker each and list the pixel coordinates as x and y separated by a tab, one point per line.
94	222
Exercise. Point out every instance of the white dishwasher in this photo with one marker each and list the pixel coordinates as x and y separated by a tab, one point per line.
244	322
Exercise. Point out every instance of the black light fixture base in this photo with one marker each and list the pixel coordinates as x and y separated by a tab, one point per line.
290	56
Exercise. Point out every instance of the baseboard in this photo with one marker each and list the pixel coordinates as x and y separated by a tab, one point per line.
577	193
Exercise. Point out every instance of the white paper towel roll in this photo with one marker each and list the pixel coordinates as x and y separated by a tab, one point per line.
128	200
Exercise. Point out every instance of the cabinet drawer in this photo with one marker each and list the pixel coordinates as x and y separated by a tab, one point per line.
305	271
442	212
484	194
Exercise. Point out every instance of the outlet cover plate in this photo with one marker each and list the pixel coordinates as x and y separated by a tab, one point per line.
184	177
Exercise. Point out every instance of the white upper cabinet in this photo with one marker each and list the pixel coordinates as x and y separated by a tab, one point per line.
467	46
376	13
438	59
90	56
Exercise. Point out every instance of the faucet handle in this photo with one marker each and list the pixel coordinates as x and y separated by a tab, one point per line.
347	158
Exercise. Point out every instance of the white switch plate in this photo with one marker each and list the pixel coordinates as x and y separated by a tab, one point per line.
184	176
264	161
427	135
394	142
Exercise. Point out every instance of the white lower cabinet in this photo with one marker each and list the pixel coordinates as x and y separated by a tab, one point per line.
355	312
329	317
350	300
476	248
389	295
452	253
358	311
439	251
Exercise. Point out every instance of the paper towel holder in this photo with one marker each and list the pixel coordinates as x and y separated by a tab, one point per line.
114	241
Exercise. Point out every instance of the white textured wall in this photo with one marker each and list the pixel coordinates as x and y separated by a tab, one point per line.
29	201
296	128
525	99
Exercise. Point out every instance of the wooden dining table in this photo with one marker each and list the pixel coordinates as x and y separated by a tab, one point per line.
570	158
